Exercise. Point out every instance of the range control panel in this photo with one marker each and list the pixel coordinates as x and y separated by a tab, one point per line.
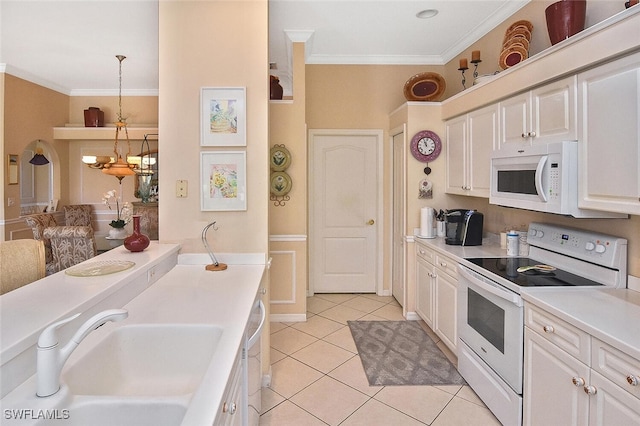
601	249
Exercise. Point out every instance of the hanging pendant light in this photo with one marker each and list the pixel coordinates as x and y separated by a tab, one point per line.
38	158
120	168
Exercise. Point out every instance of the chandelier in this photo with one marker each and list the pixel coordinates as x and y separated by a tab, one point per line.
120	167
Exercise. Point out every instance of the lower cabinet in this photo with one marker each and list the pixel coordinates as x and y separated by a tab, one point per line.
436	293
594	385
230	410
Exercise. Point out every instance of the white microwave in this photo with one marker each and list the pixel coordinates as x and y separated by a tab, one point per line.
541	178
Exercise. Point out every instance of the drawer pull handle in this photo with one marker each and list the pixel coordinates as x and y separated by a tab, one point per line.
578	381
590	390
230	408
548	329
422	251
443	264
632	380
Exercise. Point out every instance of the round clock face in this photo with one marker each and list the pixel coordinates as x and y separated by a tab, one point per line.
426	146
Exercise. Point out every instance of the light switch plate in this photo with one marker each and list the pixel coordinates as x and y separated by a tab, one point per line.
181	188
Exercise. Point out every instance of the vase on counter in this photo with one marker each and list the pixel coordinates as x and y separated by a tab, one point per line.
117	233
136	241
565	18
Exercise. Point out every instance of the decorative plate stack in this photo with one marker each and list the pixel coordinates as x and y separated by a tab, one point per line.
515	45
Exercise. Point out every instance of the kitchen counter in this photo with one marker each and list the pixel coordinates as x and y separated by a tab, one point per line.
490	247
611	315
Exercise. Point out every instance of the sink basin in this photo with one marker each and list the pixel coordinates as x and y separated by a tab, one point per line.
145	360
108	411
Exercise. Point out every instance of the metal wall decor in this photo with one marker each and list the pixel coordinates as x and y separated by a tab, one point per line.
280	181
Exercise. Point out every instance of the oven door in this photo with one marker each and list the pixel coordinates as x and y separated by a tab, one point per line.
490	322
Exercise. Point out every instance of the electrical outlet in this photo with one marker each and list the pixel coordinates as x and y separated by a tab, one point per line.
181	188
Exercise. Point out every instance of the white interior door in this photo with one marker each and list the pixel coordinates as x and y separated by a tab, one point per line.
344	211
399	200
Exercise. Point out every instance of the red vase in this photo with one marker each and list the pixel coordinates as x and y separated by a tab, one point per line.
565	18
136	241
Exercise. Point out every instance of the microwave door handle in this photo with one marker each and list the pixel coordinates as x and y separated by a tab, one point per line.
538	178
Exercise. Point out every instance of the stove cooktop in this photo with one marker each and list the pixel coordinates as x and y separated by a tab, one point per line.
506	267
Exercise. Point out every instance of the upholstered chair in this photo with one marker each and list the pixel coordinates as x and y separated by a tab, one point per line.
77	215
38	223
21	263
70	245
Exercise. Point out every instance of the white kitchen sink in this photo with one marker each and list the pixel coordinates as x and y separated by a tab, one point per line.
145	360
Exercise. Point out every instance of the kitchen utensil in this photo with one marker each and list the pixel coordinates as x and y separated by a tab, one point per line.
539	268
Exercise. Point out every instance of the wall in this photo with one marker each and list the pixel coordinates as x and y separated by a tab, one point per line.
30	112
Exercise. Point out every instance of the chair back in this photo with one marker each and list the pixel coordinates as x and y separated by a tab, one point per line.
38	223
77	215
21	262
70	245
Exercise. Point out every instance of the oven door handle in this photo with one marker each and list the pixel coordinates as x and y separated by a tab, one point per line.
494	289
538	178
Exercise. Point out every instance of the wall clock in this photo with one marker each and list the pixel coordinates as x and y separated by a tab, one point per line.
426	146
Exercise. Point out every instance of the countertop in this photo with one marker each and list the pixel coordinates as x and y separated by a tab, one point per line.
610	315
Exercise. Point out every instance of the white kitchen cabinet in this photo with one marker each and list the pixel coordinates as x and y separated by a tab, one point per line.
230	411
436	293
470	140
609	149
572	378
545	114
425	281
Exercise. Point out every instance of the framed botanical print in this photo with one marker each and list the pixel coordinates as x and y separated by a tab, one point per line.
223	116
223	180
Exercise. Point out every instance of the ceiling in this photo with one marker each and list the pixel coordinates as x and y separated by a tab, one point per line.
70	46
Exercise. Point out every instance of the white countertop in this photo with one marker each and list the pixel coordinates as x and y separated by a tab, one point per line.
490	247
611	315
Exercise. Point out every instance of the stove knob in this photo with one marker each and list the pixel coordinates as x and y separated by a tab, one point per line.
589	246
600	248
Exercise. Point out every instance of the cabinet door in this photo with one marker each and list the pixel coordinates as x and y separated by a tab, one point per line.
515	118
424	291
610	405
456	130
483	138
609	148
446	299
554	112
550	395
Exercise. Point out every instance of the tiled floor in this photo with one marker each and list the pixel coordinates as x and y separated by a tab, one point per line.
318	379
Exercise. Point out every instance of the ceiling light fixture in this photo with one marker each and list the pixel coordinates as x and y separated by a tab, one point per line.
38	158
120	168
427	13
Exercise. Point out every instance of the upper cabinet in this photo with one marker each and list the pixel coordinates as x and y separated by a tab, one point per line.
609	134
542	115
470	140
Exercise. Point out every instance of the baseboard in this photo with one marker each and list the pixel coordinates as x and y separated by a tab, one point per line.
288	317
412	316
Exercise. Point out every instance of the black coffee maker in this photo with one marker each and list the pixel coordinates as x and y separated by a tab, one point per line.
464	227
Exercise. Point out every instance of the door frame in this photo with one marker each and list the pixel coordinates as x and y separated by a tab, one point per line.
403	216
378	133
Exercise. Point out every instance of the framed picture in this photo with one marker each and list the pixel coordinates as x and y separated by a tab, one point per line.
223	116
12	169
223	180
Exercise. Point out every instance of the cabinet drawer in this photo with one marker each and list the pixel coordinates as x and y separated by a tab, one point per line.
564	335
425	253
620	368
447	265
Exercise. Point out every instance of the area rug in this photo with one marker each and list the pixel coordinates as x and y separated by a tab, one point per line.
401	353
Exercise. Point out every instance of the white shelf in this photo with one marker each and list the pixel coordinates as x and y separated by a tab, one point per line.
101	133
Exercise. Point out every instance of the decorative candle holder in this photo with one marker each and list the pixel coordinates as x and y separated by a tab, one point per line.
475	69
463	69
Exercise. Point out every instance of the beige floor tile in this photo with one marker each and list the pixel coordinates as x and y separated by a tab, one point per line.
277	326
351	373
316	304
451	389
389	312
276	355
288	414
329	400
290	340
318	326
383	299
270	399
322	356
364	304
335	297
375	413
420	402
342	338
462	412
290	376
467	393
342	314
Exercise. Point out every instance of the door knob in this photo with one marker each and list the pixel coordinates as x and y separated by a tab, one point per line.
371	222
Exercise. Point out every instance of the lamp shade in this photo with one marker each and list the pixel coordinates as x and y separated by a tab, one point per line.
39	159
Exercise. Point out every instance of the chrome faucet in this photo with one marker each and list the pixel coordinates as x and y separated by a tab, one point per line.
51	358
